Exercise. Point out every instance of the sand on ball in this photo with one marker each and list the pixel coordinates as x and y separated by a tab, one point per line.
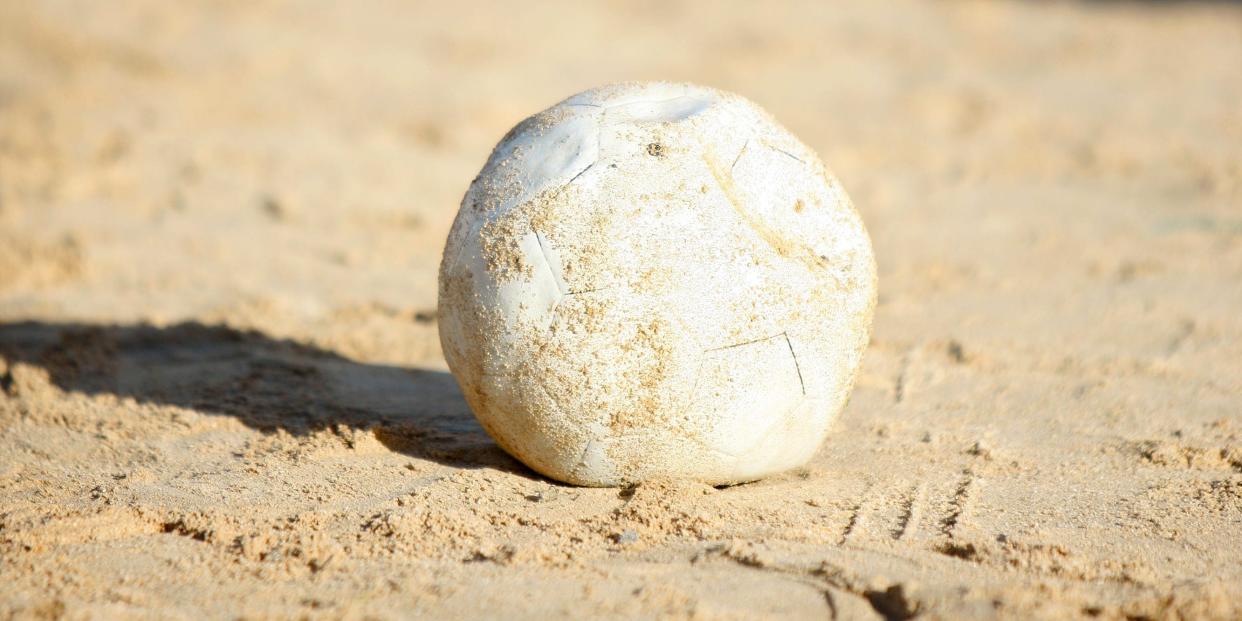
656	280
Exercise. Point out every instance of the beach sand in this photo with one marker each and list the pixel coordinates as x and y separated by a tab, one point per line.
222	393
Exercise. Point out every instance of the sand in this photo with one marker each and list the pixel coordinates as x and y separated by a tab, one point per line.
222	394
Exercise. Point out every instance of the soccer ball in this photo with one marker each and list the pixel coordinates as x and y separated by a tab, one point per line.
655	280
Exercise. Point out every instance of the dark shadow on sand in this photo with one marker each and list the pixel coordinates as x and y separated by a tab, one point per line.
267	384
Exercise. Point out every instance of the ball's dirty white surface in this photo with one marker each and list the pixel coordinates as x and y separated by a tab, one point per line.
656	280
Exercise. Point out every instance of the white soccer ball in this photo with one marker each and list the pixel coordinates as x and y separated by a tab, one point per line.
655	280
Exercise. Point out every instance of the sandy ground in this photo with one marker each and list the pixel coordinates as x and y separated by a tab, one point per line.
223	394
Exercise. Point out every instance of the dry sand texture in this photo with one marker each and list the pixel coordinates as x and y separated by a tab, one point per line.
223	393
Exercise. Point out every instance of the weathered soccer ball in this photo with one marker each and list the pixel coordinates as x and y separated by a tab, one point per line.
655	280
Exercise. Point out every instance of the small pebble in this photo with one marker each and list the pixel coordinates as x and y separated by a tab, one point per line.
626	536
